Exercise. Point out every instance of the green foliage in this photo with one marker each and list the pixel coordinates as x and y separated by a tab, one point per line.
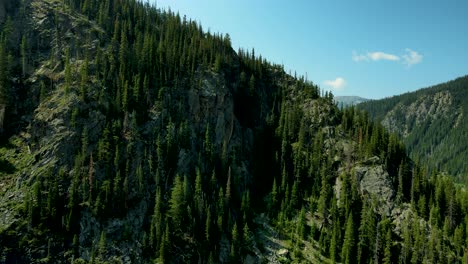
177	203
388	248
367	234
349	243
102	245
24	55
273	198
148	149
335	241
432	132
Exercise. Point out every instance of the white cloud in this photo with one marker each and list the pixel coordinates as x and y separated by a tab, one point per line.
412	57
359	57
337	84
374	56
378	55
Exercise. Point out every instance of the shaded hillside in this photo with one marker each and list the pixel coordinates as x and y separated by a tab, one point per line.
131	135
432	122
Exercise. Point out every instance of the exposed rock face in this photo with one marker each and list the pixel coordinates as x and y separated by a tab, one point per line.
375	182
212	103
117	229
283	252
424	109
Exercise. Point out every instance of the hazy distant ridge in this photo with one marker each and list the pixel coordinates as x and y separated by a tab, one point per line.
349	100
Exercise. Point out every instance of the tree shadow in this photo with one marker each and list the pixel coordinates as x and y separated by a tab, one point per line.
6	166
5	141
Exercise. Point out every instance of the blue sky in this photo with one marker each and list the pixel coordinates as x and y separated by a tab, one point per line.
369	48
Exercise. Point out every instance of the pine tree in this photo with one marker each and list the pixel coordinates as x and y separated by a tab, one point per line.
136	88
245	203
294	201
252	85
325	193
68	75
146	90
273	198
125	96
228	189
422	210
43	91
387	259
73	213
417	247
458	240
198	196
246	237
366	234
221	209
156	221
407	242
217	64
123	53
24	56
434	216
207	144
301	224
84	79
348	249
102	245
164	246
235	234
140	179
335	240
234	242
176	203
76	246
232	254
208	228
211	258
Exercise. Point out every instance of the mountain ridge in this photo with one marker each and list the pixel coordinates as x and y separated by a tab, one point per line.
431	122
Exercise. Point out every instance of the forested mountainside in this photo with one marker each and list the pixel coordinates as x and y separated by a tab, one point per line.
131	135
432	122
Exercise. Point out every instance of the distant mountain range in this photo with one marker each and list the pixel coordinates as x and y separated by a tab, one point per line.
432	122
349	100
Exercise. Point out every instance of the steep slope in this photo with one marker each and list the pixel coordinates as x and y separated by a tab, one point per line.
432	122
133	136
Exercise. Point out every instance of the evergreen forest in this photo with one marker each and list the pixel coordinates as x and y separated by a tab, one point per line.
130	134
432	123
